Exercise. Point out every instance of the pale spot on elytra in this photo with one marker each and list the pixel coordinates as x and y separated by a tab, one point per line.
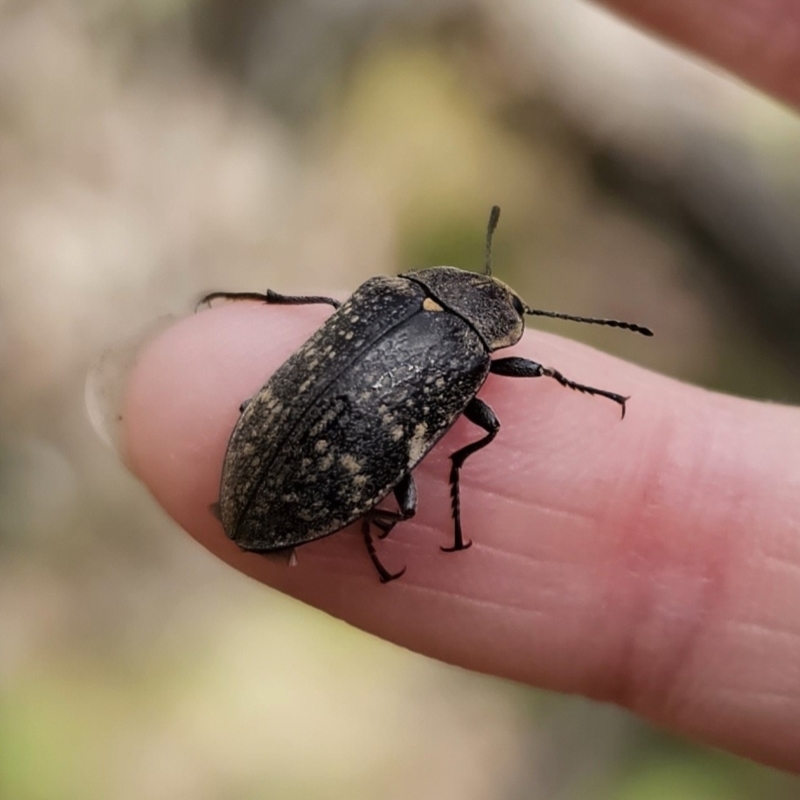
350	464
416	446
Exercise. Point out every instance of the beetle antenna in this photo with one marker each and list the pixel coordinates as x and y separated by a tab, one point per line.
494	216
612	323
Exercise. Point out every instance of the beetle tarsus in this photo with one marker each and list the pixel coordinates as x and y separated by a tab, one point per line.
383	573
209	298
270	297
515	367
480	414
273	298
455	500
591	390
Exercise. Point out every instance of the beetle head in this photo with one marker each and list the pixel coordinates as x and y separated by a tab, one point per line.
487	304
495	311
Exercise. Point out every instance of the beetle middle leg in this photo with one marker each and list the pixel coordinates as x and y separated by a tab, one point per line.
273	298
525	368
480	414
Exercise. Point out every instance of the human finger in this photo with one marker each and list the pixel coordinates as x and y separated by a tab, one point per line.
652	561
758	40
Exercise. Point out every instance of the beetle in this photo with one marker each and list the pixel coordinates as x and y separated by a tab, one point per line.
344	421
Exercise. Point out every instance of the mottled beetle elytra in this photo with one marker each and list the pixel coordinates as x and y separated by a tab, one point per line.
344	421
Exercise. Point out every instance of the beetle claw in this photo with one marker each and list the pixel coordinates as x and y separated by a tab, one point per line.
387	577
456	547
383	573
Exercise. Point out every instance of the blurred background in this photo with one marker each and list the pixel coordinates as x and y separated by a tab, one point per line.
152	150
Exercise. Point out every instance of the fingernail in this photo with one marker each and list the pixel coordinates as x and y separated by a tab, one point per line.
107	380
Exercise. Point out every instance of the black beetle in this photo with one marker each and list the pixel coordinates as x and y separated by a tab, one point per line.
344	421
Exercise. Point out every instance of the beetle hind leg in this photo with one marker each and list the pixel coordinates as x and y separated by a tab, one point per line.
384	573
480	414
384	520
406	495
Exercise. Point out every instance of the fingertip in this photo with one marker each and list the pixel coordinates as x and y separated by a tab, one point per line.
184	391
601	549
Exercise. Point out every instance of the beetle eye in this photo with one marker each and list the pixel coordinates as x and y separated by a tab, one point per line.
518	307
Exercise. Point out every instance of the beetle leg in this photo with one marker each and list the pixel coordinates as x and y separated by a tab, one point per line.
525	368
384	573
297	300
273	298
384	521
406	495
286	556
480	414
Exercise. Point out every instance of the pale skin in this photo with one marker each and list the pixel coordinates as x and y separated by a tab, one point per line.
652	562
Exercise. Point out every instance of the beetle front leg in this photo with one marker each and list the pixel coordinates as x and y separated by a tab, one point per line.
273	298
525	368
480	414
